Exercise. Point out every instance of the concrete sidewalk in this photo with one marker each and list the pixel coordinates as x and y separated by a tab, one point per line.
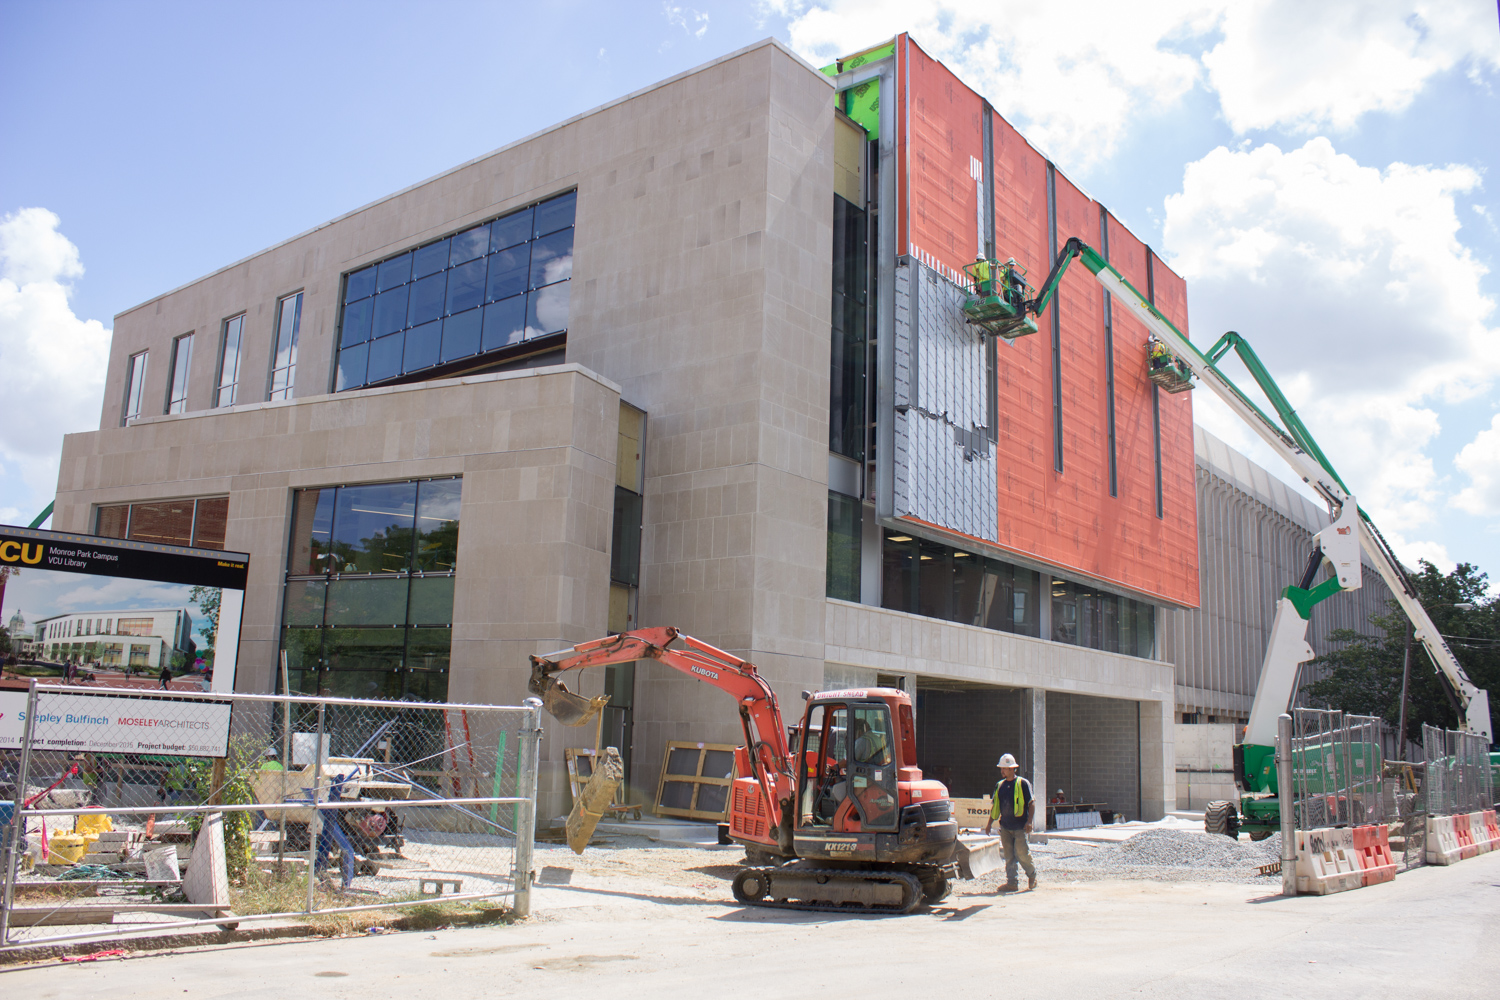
1428	934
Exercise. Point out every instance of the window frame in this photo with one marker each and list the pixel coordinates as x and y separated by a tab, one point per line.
135	386
239	357
183	360
273	394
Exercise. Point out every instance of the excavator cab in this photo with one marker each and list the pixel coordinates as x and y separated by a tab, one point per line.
849	782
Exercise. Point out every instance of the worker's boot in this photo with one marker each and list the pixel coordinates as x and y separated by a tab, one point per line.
1011	887
1030	882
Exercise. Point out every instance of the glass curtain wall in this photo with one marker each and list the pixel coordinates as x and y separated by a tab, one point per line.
490	287
844	527
1084	615
937	581
846	409
369	589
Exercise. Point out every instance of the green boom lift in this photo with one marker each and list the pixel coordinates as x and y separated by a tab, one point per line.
1175	362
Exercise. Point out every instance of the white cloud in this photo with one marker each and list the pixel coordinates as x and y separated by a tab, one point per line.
1072	83
694	22
53	361
1352	285
1076	77
1303	66
1480	460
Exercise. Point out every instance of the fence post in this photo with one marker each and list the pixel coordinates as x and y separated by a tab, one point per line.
315	822
15	832
528	756
1288	805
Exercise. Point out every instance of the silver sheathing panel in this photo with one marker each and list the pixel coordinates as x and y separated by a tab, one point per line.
945	471
1254	535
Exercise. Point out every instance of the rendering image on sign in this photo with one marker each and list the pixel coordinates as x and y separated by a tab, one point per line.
103	613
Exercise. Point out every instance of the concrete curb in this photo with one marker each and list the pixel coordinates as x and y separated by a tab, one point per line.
23	953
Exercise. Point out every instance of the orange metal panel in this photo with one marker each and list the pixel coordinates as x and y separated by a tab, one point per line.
946	131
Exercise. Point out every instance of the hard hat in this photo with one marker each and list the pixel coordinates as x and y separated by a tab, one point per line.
1006	760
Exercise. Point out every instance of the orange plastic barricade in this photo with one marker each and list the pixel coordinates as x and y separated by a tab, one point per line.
1480	832
1493	826
1442	841
1466	848
1373	844
1327	862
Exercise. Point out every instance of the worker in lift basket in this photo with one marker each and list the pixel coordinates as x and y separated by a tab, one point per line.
1013	804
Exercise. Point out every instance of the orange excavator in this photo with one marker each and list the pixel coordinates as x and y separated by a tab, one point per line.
845	820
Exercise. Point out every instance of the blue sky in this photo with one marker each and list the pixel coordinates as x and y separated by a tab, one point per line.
1322	174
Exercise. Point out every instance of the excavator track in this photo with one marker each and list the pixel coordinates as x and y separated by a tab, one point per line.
829	889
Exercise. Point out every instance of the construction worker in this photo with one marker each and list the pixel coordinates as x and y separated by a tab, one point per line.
1013	805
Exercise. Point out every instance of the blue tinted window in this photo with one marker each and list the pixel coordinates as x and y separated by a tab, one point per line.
422	346
385	358
357	322
547	310
352	366
430	259
390	311
468	245
360	284
461	334
396	271
508	270
466	286
556	214
512	229
498	284
504	323
551	259
426	299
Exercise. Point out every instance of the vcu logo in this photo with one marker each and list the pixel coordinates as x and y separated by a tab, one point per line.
24	552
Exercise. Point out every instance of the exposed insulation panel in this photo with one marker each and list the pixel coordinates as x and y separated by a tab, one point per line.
945	461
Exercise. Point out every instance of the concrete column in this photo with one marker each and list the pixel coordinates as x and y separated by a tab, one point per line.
1034	747
1158	760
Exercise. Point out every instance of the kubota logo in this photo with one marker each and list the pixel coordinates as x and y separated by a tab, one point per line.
706	673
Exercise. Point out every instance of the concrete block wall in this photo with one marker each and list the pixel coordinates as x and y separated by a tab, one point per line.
1094	751
961	734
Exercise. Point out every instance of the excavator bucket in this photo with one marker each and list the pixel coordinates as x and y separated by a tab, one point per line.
563	705
978	855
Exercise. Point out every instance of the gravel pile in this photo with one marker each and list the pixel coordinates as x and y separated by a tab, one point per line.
1163	855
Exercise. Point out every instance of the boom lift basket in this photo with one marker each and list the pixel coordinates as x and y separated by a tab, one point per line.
998	303
1166	369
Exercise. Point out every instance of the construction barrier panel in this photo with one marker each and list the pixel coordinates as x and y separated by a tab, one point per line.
1493	827
1373	845
1466	848
1442	842
1480	832
1327	862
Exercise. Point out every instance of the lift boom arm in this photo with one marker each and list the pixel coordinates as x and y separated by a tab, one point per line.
1351	532
765	735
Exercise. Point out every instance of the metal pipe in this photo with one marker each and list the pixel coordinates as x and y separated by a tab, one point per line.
315	828
286	760
528	754
1288	827
276	807
17	819
299	699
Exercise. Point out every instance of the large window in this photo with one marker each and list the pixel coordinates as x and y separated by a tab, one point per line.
284	361
199	523
135	383
489	288
846	403
182	361
1084	615
369	589
229	362
936	581
844	529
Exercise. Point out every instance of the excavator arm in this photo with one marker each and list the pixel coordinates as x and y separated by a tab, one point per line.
1351	532
765	735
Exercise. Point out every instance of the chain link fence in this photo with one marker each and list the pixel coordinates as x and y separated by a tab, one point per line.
1337	769
1459	777
190	810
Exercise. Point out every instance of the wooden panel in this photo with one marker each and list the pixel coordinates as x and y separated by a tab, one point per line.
689	787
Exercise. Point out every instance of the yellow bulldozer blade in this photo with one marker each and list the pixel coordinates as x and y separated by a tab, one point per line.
593	801
978	855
